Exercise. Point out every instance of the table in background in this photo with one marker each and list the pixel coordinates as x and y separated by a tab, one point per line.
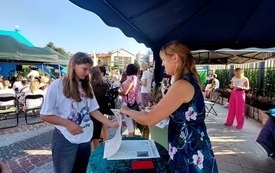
159	135
99	165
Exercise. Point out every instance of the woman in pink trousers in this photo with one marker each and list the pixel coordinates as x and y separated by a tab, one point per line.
239	83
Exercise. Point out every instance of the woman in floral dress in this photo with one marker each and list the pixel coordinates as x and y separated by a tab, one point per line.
190	148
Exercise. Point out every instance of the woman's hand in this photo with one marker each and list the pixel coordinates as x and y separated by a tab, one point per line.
73	128
124	109
113	124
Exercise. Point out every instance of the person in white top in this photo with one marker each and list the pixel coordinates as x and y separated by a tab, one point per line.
68	104
116	83
146	83
33	73
17	85
239	83
7	91
33	90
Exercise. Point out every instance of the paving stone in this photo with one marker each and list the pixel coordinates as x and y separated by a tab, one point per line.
235	150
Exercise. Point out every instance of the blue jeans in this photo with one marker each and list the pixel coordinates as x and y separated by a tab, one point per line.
68	157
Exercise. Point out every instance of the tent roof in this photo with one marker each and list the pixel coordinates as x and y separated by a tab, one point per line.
16	35
201	24
231	56
62	59
11	50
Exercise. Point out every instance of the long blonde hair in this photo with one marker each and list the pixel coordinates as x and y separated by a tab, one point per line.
70	84
34	85
187	60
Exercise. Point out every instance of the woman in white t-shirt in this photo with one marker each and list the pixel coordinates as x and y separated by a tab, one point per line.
239	83
7	91
33	90
69	103
146	83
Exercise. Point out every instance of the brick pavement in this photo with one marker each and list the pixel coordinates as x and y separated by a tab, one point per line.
235	150
23	156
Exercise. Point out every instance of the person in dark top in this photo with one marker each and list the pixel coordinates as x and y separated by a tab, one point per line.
100	89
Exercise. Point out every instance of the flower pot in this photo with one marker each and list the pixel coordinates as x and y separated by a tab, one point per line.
265	117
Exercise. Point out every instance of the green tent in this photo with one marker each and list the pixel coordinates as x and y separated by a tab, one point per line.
62	59
12	50
17	36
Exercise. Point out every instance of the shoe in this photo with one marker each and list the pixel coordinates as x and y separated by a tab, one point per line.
227	124
226	105
239	128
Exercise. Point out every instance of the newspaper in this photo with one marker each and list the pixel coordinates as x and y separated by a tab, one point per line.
163	123
118	149
112	145
136	149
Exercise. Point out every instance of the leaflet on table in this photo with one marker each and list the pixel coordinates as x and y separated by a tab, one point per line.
112	145
136	149
163	123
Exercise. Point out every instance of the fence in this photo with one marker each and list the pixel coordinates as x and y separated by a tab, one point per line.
261	76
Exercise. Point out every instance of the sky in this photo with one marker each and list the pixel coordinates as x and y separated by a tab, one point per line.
65	24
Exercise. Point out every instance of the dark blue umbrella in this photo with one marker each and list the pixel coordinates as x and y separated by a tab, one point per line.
201	24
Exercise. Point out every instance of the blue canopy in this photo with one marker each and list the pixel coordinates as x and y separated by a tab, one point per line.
201	24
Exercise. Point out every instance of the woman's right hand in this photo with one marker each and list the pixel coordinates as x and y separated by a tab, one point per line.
73	128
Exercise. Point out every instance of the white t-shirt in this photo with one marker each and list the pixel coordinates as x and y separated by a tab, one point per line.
217	84
239	81
9	92
17	84
148	76
32	103
116	84
55	103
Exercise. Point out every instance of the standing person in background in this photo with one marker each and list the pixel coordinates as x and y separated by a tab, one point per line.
190	148
239	84
129	95
146	84
108	84
100	88
69	103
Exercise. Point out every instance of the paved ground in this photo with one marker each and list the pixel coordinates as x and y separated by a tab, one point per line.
26	148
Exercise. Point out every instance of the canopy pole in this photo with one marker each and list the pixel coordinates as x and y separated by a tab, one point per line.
59	70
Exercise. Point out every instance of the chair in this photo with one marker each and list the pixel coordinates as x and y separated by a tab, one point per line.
9	109
33	109
209	105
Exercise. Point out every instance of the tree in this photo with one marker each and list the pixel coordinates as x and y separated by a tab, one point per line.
137	64
57	49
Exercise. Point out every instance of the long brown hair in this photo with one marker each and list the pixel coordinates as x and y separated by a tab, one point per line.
96	76
187	60
70	84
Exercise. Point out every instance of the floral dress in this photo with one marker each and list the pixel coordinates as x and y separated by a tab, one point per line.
190	148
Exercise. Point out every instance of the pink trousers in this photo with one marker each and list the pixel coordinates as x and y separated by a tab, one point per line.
236	108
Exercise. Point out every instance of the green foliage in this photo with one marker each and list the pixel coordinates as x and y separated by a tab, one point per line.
224	77
269	83
253	76
115	67
57	49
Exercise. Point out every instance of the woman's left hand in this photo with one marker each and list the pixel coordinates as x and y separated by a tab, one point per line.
124	109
